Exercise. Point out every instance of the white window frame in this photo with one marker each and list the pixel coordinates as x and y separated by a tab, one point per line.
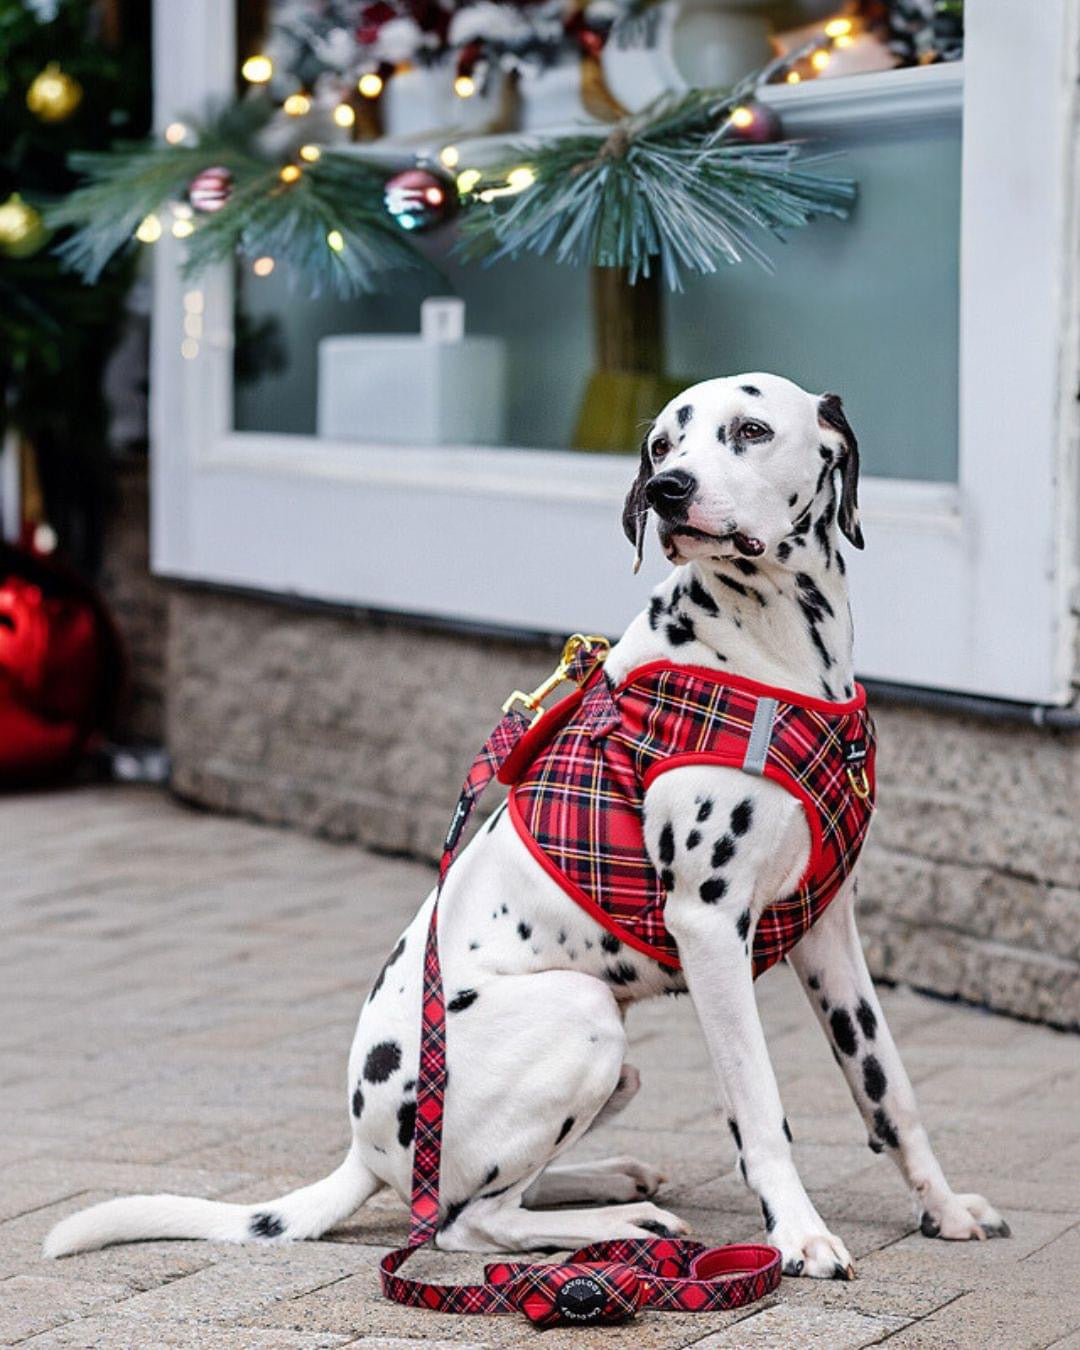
963	586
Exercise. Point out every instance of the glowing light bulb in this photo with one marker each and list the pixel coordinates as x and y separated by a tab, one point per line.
182	228
336	240
517	180
296	105
449	156
189	349
289	173
467	179
149	231
370	85
844	40
194	302
310	153
262	267
793	77
464	86
175	133
193	325
742	117
837	28
257	69
344	115
820	59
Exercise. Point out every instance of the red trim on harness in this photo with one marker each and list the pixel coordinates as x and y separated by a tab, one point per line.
747	686
587	903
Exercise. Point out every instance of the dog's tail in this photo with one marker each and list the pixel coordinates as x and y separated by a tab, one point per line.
306	1213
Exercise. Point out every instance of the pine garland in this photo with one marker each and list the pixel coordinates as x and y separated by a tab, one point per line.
664	187
264	215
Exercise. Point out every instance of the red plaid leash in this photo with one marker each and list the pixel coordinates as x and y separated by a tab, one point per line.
607	1281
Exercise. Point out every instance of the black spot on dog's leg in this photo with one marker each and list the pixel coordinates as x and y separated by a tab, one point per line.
787	1130
453	1213
723	851
873	1078
742	816
742	924
406	1123
623	973
465	998
567	1126
266	1225
524	931
712	890
885	1129
386	966
382	1060
733	1126
876	1146
794	1266
666	844
814	983
767	1215
929	1226
867	1019
843	1030
358	1102
490	1176
610	943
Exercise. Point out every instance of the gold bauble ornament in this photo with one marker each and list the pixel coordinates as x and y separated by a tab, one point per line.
54	95
22	230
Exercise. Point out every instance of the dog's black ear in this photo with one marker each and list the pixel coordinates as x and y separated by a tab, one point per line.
635	512
831	414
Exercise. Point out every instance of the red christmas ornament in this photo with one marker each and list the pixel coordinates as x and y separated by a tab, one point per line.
752	122
418	199
210	190
591	42
372	18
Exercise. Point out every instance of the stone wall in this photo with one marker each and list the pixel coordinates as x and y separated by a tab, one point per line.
139	604
362	730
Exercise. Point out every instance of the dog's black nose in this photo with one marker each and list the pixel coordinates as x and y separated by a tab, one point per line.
669	493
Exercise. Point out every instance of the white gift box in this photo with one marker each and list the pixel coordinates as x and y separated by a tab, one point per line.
438	387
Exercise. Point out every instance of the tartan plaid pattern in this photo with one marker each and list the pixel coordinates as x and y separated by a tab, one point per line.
580	800
665	1274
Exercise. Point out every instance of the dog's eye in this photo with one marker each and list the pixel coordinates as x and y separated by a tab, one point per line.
660	447
754	431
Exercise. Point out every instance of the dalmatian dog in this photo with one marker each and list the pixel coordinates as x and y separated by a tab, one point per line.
751	479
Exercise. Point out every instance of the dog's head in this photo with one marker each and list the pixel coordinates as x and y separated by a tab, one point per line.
732	466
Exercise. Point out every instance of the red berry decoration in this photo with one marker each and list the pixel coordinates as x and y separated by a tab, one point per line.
210	190
752	122
419	200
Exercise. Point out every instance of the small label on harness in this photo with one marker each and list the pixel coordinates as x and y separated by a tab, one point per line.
457	821
855	752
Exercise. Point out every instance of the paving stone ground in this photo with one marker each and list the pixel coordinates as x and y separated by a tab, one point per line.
178	995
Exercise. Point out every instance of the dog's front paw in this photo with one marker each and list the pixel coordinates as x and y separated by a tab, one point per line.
820	1256
655	1222
959	1218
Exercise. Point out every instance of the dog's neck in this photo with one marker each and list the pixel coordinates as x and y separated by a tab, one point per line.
784	623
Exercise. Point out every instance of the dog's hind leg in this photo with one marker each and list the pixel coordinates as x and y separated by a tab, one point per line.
605	1181
532	1062
830	964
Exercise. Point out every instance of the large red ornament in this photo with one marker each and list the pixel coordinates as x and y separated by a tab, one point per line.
210	190
419	200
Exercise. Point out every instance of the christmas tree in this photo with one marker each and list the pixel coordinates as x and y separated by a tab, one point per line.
74	75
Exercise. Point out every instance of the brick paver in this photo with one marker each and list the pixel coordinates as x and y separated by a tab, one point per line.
178	995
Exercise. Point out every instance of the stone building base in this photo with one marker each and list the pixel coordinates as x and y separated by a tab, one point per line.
362	730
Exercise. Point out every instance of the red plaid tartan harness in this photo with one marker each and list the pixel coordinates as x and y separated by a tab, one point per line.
580	778
608	1281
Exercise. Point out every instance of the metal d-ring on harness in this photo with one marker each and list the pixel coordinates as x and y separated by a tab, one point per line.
608	1281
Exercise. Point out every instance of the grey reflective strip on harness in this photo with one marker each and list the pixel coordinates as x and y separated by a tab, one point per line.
757	747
